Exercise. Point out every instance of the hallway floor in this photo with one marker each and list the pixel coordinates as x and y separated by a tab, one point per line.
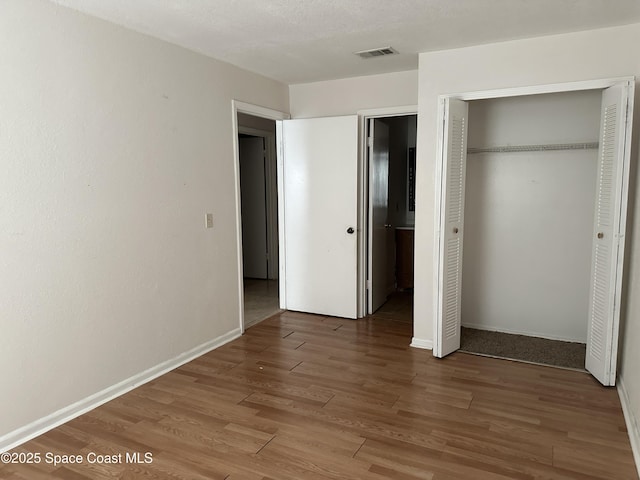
398	307
260	300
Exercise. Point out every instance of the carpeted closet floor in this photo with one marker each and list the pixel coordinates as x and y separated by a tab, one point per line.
521	347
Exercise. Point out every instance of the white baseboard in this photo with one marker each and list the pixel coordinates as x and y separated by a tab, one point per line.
421	343
632	423
44	424
491	328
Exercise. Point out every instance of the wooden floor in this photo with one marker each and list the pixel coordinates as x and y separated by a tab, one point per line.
311	397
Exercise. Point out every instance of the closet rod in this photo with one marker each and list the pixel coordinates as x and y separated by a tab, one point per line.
535	148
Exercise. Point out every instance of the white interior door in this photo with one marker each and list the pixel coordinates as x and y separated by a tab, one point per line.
378	213
451	227
608	233
253	207
319	166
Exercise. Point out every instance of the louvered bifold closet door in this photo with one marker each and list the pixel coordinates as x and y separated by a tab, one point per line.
608	236
451	226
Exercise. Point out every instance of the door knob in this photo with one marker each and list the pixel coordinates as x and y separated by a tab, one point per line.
455	229
600	235
387	225
350	230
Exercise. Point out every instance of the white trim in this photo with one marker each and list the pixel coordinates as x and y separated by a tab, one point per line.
282	264
258	111
238	206
421	343
480	95
389	111
44	424
263	112
599	84
363	217
363	192
491	328
631	422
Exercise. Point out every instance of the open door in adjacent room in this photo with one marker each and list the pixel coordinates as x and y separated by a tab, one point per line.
378	213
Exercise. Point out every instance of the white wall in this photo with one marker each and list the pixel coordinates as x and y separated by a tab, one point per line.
578	56
529	216
113	147
349	95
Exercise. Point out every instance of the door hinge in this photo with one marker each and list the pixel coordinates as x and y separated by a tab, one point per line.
370	142
368	284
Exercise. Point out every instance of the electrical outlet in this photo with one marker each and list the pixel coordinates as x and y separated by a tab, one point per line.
208	220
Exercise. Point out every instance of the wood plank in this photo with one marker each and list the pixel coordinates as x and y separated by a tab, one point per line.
310	396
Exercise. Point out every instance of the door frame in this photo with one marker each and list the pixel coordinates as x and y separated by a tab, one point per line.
270	114
441	164
363	193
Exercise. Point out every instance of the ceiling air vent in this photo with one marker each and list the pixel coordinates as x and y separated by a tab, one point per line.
376	52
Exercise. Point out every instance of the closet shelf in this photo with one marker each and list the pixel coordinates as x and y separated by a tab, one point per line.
535	148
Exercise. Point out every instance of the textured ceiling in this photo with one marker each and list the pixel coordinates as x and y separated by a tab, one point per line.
298	41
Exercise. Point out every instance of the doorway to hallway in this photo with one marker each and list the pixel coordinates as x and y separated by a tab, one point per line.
259	217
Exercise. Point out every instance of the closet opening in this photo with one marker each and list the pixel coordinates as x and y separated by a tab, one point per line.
529	207
391	154
532	187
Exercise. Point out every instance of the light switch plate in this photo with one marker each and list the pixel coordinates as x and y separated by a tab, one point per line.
208	220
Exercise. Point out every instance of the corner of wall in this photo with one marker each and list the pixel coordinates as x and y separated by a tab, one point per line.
44	424
631	422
